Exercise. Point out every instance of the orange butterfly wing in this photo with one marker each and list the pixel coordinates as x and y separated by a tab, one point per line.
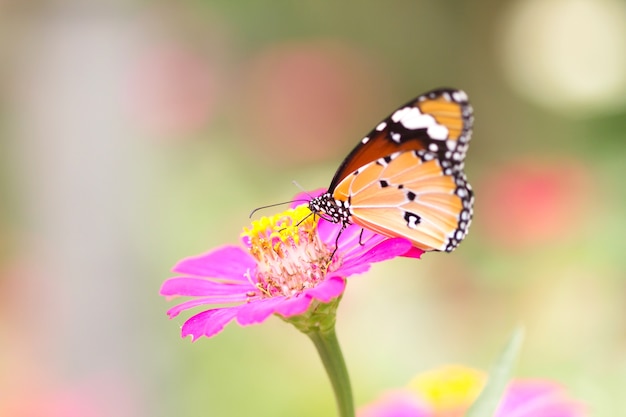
442	118
411	198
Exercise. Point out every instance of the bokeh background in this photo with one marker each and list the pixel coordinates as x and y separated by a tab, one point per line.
134	134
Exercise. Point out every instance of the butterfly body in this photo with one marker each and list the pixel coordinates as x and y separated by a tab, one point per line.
405	178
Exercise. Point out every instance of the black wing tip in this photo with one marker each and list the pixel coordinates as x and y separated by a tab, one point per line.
453	94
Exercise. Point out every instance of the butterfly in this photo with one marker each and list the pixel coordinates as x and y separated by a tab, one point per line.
405	178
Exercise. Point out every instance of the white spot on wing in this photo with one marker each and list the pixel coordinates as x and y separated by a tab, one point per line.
411	118
365	140
437	131
459	96
382	162
399	114
381	126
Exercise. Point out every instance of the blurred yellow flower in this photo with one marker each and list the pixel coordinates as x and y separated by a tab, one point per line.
449	391
449	388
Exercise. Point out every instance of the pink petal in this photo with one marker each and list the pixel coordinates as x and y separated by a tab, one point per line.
230	262
538	399
387	249
354	240
352	268
208	323
397	403
355	236
327	231
294	306
199	287
258	311
332	287
207	301
359	237
245	240
414	253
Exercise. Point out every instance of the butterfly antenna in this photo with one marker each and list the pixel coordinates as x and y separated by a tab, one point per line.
300	200
294	182
275	205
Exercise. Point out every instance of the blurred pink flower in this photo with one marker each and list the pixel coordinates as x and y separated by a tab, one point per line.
530	202
307	92
397	403
173	90
93	396
284	267
449	391
539	398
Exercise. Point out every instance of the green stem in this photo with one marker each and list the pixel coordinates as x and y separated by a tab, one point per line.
328	348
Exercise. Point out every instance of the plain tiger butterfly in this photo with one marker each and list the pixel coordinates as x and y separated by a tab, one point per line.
405	178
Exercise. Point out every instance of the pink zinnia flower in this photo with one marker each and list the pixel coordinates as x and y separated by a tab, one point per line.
450	391
283	267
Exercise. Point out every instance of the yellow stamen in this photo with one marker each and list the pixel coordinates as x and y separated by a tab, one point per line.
289	253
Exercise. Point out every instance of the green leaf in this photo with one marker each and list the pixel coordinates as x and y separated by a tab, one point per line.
487	402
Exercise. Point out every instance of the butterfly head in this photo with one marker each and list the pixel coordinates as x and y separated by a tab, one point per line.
331	209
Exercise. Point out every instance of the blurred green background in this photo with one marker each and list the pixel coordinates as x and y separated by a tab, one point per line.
138	133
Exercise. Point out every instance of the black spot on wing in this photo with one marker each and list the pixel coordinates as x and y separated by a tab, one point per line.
412	219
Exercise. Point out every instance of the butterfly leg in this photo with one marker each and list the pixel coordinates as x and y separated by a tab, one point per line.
336	246
361	237
337	242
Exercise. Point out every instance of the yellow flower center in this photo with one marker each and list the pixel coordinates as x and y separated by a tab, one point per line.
289	253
